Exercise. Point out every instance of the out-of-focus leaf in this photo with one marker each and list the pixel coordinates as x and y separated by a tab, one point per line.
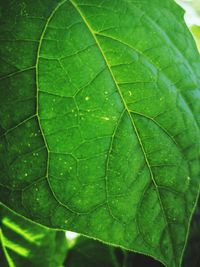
196	33
4	258
24	243
192	253
88	253
196	6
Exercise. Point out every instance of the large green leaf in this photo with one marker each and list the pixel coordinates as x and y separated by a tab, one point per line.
24	243
100	120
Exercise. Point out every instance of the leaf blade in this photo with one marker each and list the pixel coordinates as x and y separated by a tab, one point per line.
139	73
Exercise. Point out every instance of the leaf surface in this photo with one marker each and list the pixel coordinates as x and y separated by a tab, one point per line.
100	120
24	243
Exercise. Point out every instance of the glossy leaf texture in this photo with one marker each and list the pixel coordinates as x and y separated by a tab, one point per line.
100	120
24	243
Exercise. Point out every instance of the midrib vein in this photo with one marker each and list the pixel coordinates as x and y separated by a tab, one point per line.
128	111
168	80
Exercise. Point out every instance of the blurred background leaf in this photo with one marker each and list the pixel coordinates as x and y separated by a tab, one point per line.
196	33
192	255
192	17
88	253
24	243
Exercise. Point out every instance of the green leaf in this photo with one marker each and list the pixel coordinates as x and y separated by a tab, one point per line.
100	120
24	243
196	33
4	258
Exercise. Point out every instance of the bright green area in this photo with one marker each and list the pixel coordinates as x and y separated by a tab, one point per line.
196	33
100	120
24	243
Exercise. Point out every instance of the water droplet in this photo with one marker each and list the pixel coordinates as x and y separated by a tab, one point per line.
87	98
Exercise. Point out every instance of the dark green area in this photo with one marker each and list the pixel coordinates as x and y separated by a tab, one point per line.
192	256
88	253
